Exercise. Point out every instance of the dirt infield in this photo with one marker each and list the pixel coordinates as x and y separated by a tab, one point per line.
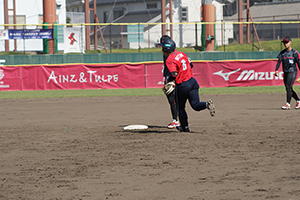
76	148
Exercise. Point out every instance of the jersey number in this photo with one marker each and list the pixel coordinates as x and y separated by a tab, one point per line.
184	65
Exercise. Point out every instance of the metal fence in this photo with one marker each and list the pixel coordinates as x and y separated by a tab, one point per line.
147	35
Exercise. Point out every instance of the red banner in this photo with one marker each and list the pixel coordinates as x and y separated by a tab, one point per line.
10	78
154	75
107	76
237	73
149	75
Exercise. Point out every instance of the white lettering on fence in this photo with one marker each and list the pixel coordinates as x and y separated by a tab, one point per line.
89	76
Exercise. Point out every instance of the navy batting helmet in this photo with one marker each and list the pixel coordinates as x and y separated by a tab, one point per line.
168	45
164	37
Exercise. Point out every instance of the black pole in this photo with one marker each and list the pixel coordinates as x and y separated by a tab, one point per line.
252	38
196	33
280	35
110	37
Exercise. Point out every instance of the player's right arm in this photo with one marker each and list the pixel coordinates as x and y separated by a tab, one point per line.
171	64
297	56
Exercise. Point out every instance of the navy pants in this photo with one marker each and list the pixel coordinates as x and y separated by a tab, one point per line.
289	79
188	90
172	101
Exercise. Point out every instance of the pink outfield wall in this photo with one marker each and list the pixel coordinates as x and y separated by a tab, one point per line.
142	75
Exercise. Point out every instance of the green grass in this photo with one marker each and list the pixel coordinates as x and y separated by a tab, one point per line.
133	92
271	45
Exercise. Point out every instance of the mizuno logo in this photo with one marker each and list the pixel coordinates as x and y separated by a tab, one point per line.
250	75
226	75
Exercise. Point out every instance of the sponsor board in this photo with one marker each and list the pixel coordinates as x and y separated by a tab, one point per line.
250	75
2	83
139	75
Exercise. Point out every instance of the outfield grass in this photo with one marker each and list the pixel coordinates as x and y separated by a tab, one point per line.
133	92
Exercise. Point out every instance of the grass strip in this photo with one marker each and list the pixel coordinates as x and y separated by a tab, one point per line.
134	92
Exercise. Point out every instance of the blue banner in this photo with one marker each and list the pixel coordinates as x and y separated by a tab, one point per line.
15	34
30	34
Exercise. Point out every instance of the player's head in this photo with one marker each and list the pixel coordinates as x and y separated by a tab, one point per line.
168	45
286	39
287	42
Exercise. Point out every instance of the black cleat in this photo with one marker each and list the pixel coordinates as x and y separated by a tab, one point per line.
211	107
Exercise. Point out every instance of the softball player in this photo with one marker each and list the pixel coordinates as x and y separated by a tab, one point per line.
187	87
171	96
289	57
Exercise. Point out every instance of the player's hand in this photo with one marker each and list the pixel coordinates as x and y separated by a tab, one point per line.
298	80
276	73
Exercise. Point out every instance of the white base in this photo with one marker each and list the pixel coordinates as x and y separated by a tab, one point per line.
135	127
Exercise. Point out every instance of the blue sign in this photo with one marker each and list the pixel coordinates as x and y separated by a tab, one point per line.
15	34
30	34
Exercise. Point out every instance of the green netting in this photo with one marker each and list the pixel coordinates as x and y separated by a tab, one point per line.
130	57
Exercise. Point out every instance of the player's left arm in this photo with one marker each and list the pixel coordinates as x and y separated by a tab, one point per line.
298	63
190	61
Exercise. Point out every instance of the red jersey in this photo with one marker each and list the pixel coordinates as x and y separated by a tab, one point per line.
179	62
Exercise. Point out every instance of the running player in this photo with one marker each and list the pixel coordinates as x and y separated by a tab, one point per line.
187	87
289	57
171	96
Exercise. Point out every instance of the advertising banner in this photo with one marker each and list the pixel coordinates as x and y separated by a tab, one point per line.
38	34
4	35
10	78
73	41
237	73
141	75
16	34
83	77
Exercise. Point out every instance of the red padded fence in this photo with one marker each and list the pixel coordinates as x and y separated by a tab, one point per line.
140	75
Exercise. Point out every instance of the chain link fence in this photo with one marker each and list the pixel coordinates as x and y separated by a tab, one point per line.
147	35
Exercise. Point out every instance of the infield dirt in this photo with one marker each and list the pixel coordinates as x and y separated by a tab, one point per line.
76	148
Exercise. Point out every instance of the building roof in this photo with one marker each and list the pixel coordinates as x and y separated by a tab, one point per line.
138	17
133	17
122	1
282	11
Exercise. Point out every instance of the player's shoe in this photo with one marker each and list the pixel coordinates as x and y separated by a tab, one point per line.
186	129
173	124
287	106
211	107
297	105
